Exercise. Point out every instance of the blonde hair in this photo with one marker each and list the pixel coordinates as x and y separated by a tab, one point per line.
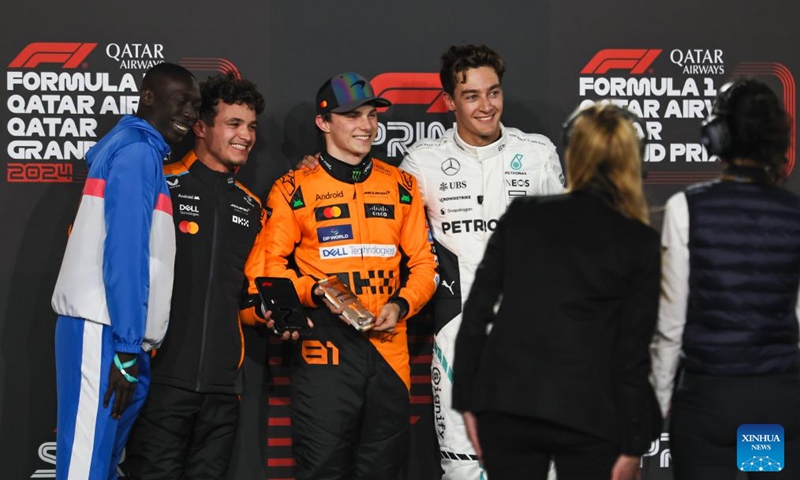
604	151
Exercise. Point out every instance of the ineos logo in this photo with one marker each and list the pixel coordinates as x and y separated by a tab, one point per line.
451	166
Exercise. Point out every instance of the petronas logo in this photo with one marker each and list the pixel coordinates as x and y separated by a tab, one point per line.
516	162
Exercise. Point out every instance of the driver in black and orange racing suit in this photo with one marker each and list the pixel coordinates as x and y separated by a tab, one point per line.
350	390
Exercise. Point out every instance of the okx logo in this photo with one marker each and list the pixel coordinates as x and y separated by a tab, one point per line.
760	448
68	54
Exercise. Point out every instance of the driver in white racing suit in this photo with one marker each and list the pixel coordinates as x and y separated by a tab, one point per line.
468	177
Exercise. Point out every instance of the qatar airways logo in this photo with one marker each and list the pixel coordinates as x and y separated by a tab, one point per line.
698	61
136	56
403	126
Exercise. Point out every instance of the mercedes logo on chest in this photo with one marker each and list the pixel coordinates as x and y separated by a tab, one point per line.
451	166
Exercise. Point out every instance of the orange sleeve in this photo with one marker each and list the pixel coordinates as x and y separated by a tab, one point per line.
417	244
280	236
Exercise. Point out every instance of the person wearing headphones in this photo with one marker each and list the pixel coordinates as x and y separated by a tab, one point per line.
569	284
725	352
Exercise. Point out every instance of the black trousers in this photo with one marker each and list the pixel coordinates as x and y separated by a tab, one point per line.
520	448
181	434
350	409
708	410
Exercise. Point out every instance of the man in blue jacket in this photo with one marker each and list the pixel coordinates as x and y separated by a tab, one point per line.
113	291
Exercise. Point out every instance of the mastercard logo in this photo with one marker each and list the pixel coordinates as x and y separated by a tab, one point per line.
332	212
188	227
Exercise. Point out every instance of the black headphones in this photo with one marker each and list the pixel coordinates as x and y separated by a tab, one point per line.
715	132
641	131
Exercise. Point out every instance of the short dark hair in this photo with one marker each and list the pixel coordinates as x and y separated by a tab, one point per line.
161	71
760	127
460	58
229	89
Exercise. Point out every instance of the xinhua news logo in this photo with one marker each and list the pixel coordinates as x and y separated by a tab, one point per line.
760	448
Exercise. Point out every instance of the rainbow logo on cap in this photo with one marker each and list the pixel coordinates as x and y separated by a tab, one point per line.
351	87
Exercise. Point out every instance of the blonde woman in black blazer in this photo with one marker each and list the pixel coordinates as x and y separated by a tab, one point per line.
570	287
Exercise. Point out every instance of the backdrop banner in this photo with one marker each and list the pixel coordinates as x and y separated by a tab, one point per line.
72	70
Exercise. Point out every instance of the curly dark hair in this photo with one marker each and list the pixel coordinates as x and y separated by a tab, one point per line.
759	125
460	58
231	90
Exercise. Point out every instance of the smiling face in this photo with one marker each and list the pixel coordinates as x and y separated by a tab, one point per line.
225	144
172	106
478	106
349	136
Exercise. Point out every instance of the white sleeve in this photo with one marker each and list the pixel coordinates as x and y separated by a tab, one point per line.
665	349
551	177
411	165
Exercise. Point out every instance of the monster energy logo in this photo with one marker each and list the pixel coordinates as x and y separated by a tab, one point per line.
516	162
356	175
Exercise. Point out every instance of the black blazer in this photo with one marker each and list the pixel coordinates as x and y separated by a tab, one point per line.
578	286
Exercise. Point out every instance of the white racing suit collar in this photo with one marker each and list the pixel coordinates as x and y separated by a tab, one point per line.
484	152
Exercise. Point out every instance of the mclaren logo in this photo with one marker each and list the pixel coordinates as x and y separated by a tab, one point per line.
451	166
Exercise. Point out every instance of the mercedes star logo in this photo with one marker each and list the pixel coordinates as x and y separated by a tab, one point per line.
451	166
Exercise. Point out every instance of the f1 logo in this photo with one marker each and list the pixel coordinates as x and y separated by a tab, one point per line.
636	61
411	89
69	54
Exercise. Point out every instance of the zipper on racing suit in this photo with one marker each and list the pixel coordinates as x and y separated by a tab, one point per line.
209	286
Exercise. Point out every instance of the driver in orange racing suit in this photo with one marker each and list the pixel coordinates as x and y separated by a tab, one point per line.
359	219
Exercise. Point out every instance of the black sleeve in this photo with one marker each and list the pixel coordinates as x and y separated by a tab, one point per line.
638	416
478	313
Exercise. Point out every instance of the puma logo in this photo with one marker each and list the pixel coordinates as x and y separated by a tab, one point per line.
449	287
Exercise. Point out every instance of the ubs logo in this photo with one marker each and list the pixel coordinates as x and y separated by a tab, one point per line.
445	186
